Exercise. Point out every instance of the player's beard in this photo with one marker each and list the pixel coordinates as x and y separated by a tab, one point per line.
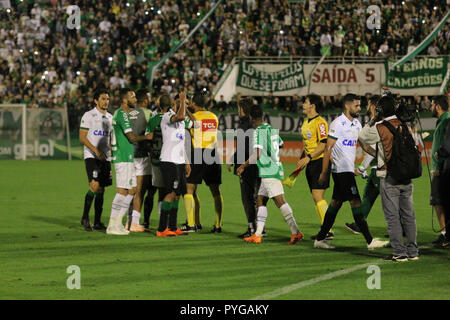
354	114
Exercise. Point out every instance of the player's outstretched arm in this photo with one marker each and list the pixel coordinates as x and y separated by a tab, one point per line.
181	112
134	138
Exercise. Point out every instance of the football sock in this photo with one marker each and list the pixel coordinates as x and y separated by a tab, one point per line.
148	207
160	200
98	205
88	203
164	217
218	205
286	210
365	208
321	209
159	207
328	221
173	216
197	210
127	202
189	206
361	223
135	217
117	206
261	220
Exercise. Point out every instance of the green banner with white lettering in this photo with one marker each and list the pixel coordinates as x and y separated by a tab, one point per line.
425	72
254	80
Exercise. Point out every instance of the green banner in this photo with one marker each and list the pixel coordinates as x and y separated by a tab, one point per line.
45	131
425	72
289	78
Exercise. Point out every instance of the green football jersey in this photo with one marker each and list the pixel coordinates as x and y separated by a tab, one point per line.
267	139
154	125
122	148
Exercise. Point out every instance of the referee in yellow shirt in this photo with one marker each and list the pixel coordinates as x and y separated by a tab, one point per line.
205	166
314	134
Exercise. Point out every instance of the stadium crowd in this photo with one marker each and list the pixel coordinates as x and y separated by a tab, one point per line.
45	64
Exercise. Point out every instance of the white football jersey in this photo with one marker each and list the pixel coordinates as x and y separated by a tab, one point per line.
100	127
174	135
345	132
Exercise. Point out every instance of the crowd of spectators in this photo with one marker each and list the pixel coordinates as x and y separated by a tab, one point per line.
44	63
294	104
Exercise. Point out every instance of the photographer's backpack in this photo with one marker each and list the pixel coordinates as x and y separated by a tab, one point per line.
406	161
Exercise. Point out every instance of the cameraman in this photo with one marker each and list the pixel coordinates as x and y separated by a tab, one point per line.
396	196
439	184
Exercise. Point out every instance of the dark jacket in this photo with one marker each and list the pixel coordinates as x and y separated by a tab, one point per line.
251	172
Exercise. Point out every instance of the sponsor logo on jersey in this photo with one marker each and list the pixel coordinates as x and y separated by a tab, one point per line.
102	133
134	114
308	134
350	143
179	136
209	125
322	130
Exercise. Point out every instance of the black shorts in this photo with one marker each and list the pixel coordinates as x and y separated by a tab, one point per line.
313	170
205	166
99	171
439	191
174	176
345	187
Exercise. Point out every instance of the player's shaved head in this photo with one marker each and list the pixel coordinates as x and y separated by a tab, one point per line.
123	93
165	101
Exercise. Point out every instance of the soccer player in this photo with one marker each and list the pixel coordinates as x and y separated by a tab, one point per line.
372	188
142	164
341	146
314	134
95	130
267	143
163	104
173	165
143	101
122	140
205	164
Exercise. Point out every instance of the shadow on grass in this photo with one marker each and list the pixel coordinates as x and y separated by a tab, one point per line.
67	222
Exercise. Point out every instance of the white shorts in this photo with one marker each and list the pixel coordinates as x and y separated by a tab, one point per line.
270	187
125	175
157	177
142	166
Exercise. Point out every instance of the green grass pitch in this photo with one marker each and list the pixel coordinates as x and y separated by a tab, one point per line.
41	204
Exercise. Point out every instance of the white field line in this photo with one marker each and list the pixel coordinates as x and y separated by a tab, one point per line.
298	285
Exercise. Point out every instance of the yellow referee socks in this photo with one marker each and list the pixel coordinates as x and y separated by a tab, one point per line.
218	205
321	209
197	209
189	206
